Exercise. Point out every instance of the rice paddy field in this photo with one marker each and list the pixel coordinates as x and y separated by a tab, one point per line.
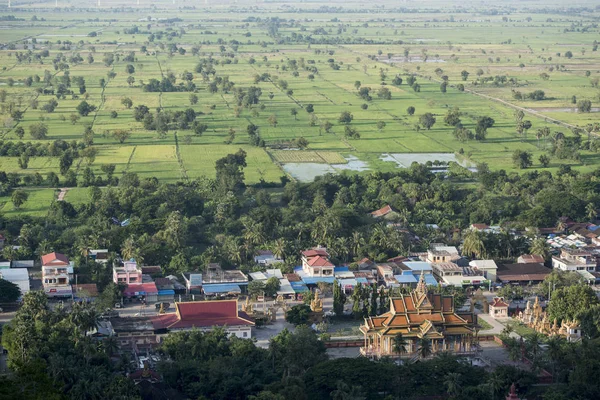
309	56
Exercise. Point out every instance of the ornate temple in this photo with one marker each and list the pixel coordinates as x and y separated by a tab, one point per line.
417	316
535	317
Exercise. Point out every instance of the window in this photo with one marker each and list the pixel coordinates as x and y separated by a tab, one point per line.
245	334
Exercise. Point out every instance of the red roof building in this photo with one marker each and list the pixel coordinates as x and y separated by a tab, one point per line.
315	263
382	212
206	315
54	260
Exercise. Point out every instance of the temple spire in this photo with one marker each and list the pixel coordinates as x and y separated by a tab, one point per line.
422	286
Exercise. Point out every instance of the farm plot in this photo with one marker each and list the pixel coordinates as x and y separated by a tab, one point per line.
300	156
199	160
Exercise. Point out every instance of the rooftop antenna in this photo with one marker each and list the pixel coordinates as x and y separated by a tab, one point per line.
138	2
8	3
56	4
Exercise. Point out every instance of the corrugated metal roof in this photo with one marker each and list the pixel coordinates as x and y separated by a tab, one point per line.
221	288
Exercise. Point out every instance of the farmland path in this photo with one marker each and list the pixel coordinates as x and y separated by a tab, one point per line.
62	194
179	159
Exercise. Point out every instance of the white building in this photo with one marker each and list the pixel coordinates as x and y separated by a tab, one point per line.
574	260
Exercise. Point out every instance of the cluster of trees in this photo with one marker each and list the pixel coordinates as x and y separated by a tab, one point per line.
51	355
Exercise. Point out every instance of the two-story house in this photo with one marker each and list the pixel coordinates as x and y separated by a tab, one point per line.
315	263
57	273
574	260
129	273
439	253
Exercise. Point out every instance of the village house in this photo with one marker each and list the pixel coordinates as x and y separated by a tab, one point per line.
57	273
266	257
487	268
128	274
98	255
574	260
499	308
217	281
417	316
440	253
530	258
315	263
205	315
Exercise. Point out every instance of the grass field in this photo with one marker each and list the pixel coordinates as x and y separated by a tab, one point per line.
317	59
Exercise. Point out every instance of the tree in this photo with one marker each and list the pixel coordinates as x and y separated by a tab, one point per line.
19	197
128	103
130	80
84	108
424	349
444	87
483	123
65	162
357	84
473	244
465	75
540	247
326	126
9	292
20	132
298	315
569	302
345	117
38	131
569	54
384	93
130	69
272	120
256	288
452	383
121	135
544	160
294	113
522	159
230	173
584	106
399	344
427	120
410	110
351	133
74	118
272	286
380	125
310	108
339	299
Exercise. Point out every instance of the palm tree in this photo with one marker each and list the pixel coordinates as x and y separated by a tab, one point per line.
129	248
534	342
590	211
555	352
424	348
399	345
110	345
540	247
452	383
473	244
496	384
279	248
508	329
357	242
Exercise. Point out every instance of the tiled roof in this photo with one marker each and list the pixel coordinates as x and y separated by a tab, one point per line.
319	261
315	252
55	259
203	314
499	302
382	211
